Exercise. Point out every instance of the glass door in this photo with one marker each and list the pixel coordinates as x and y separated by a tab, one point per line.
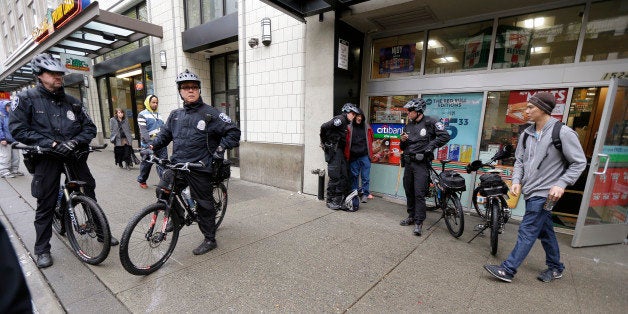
603	212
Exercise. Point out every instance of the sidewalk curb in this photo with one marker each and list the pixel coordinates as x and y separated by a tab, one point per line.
43	298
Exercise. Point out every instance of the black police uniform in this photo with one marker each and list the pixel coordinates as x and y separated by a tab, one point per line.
423	137
196	130
41	117
333	136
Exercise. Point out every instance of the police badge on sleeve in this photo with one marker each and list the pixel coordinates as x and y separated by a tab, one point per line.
439	126
224	117
337	122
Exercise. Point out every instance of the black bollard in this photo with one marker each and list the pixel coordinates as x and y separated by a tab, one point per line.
321	182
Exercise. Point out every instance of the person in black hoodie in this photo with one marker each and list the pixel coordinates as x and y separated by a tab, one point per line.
358	152
200	133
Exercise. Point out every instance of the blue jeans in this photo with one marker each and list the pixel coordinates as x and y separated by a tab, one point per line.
146	166
536	223
360	167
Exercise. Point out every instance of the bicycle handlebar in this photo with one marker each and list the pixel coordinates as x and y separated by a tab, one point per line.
49	150
184	166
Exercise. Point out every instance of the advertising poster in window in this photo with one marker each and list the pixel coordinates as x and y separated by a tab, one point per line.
461	115
387	121
397	59
476	50
512	47
518	101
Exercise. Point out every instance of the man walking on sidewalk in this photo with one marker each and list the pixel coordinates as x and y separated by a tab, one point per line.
543	171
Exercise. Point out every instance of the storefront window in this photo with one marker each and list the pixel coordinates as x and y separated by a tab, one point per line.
387	117
231	6
192	13
212	9
397	56
584	112
606	37
148	78
459	48
105	107
542	38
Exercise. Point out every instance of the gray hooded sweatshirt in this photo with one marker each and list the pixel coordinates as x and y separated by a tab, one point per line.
541	166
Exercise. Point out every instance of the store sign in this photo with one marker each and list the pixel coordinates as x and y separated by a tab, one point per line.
397	59
518	101
343	54
512	47
5	95
58	17
76	64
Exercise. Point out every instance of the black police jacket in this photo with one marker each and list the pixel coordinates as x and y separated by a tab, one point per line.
196	130
41	117
334	131
423	136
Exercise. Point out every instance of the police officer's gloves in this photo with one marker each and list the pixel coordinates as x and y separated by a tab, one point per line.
429	153
145	153
219	153
67	147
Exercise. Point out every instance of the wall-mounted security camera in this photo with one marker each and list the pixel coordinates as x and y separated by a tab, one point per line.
253	42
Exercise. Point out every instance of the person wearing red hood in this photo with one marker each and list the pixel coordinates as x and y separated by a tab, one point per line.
359	153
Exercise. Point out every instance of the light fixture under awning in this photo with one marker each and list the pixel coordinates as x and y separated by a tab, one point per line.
93	32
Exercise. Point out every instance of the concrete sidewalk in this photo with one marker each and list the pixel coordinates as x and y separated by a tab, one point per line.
281	251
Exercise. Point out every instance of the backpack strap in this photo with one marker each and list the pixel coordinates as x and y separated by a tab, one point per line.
558	144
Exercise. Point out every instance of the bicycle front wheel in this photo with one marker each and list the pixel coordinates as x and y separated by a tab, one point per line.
454	217
89	237
147	242
220	198
495	207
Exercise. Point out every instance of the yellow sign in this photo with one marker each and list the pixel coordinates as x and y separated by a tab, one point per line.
63	11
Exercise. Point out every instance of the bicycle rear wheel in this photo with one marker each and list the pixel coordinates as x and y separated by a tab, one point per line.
495	207
91	238
474	199
145	244
454	217
220	198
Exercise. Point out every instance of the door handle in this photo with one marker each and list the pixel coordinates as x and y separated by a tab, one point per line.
605	163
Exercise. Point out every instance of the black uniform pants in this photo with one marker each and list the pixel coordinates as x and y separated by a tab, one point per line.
416	184
201	192
14	294
45	188
338	179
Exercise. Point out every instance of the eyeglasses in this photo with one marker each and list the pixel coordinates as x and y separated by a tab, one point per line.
190	87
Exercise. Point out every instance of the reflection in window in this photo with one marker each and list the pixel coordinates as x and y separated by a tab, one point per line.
458	48
192	13
606	37
397	56
497	131
542	38
212	9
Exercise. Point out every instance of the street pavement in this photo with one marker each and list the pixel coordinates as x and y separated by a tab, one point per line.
281	251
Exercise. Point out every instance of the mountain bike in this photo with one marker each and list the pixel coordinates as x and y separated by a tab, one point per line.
89	236
446	188
152	234
495	211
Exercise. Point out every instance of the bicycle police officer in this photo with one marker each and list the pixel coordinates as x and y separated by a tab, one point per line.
419	138
333	140
48	117
199	133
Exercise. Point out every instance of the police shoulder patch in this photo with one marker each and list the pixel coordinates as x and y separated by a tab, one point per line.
224	117
337	122
15	103
439	126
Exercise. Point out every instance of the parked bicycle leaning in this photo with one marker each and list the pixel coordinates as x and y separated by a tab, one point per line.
46	116
200	133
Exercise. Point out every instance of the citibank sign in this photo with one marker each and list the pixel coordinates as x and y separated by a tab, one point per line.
58	17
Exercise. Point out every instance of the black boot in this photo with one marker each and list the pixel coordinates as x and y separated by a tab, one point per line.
205	247
418	230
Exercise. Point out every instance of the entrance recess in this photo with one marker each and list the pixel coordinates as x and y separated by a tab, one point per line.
604	209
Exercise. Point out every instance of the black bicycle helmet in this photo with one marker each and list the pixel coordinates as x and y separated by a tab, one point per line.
45	62
417	104
187	76
349	107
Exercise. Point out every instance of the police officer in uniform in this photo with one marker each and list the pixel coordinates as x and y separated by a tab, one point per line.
420	137
333	140
46	116
199	132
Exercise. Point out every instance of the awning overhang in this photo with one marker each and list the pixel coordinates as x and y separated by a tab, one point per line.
300	9
92	33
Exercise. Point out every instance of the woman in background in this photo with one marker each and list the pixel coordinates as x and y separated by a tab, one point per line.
121	138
